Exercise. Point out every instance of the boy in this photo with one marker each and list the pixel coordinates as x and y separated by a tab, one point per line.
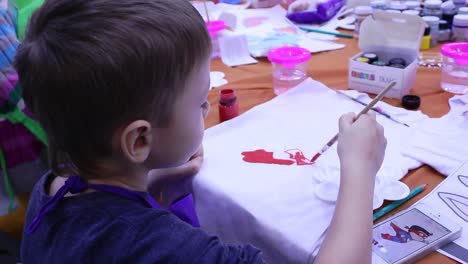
120	88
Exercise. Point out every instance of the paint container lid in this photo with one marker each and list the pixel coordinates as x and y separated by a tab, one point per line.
448	7
371	56
457	51
433	4
413	4
394	190
327	191
411	12
379	63
377	202
411	102
289	56
227	97
431	20
395	5
363	59
378	4
460	20
363	10
393	11
463	10
397	61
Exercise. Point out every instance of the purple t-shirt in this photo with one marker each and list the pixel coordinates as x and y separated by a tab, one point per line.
102	227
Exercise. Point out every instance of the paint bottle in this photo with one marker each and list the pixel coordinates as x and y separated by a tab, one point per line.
459	3
361	12
444	31
433	8
433	23
449	10
463	11
411	12
460	28
426	39
378	5
371	56
413	5
228	107
398	6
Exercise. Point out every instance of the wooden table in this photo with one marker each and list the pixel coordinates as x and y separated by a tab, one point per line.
253	85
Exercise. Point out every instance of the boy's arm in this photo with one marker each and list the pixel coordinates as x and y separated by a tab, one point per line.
166	185
361	149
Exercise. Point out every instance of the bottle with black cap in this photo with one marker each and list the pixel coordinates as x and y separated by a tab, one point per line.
426	39
444	31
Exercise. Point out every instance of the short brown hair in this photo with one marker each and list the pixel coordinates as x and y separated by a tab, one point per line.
88	67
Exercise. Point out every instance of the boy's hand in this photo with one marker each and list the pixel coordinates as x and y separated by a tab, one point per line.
166	185
361	143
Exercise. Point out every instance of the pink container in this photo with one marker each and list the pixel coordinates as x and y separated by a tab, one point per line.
455	67
289	67
214	27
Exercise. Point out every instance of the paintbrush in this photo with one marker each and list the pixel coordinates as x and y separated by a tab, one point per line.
363	111
377	110
206	11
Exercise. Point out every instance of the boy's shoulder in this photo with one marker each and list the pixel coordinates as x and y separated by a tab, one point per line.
104	227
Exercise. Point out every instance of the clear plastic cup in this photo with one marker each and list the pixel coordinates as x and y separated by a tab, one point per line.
214	27
455	67
289	67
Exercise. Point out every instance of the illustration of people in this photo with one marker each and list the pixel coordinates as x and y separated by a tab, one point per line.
413	233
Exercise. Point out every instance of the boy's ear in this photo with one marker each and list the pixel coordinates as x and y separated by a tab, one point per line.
135	141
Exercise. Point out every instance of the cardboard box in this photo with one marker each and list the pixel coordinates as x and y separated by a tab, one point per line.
389	35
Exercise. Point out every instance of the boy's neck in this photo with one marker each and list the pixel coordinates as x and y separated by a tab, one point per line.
136	181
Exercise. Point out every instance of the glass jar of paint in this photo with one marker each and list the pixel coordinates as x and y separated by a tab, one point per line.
433	23
460	28
433	8
455	67
214	28
289	67
361	12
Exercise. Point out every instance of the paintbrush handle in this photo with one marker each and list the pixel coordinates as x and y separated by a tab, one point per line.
376	100
363	111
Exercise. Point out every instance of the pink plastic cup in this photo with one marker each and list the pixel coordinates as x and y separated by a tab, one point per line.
455	67
289	67
214	27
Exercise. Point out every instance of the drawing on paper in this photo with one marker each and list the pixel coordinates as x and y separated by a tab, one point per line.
408	234
254	21
295	156
457	203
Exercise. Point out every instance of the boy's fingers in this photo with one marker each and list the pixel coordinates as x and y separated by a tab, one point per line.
346	120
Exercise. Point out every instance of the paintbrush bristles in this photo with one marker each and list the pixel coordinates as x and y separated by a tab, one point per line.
206	11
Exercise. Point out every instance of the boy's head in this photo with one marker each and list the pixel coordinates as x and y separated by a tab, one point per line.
116	83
